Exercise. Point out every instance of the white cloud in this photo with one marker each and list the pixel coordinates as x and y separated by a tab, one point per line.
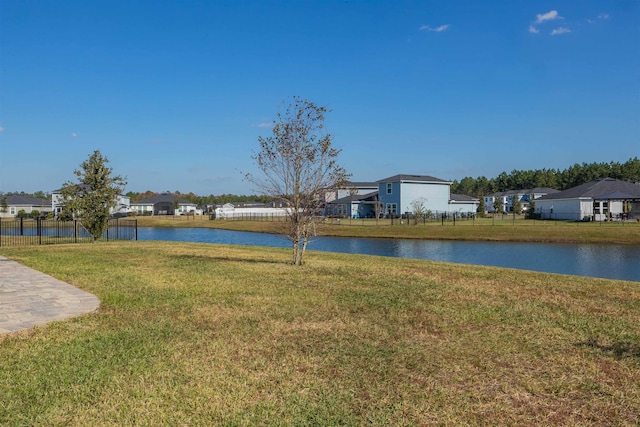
603	16
1	129
549	16
560	30
533	29
264	125
73	134
439	29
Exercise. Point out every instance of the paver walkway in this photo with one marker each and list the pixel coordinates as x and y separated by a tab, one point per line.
29	297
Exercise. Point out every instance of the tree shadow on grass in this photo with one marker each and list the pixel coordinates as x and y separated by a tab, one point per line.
229	259
618	349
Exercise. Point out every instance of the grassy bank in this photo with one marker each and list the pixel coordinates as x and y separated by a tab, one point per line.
518	230
194	334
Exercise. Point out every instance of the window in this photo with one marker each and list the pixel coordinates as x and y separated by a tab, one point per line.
388	188
12	210
392	208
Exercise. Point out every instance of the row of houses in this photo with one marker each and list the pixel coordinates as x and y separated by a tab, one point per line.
600	200
603	199
507	199
163	204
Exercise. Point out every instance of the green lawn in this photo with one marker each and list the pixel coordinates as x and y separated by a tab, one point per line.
197	334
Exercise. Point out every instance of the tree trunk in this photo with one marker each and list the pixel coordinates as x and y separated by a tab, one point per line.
305	240
296	250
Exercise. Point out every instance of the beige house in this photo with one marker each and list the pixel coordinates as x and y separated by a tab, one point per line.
16	202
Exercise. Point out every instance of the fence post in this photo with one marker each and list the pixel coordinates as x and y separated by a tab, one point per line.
39	230
21	226
75	231
0	231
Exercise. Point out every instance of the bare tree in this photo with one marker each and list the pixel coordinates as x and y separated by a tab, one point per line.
418	208
298	164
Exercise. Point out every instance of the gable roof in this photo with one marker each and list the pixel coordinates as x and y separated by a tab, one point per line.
361	184
597	189
462	198
19	199
414	178
162	198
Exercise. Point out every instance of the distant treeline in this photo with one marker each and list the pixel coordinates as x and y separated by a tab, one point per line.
203	200
477	187
548	178
37	194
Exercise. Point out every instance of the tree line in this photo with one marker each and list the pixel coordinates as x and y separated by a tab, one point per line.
476	187
211	199
548	178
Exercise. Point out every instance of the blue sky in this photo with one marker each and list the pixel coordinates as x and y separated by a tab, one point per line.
176	93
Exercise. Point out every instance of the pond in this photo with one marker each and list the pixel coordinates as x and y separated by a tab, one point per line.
620	262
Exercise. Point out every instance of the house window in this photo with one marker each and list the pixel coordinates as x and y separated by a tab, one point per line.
596	208
388	188
392	208
12	210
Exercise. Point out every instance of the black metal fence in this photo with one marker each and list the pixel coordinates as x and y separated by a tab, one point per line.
25	231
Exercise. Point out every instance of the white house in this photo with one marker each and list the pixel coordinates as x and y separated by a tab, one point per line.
507	198
600	200
122	207
461	203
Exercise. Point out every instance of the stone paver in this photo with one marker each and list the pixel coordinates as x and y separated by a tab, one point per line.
29	297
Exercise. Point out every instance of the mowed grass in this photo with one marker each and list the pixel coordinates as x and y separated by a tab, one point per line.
196	334
481	229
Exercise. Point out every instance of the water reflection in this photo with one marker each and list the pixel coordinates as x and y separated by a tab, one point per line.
606	261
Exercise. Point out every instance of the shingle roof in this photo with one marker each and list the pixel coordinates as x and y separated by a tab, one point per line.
162	198
462	198
597	188
414	178
18	199
361	184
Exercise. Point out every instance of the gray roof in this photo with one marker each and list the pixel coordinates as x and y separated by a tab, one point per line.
162	198
414	178
18	199
597	189
462	198
361	184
